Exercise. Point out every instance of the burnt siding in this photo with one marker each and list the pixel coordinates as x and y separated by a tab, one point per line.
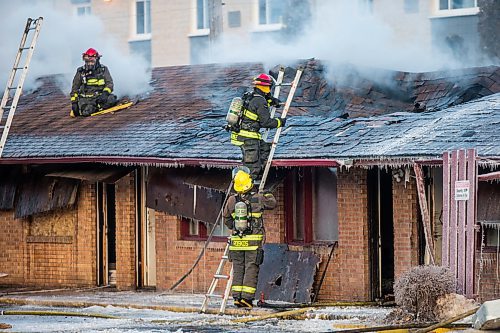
43	194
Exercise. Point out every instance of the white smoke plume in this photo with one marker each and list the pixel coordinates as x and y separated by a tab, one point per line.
62	40
341	32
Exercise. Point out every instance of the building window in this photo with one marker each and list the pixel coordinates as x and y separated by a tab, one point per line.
411	6
456	4
202	14
82	7
271	11
311	205
83	10
196	230
143	17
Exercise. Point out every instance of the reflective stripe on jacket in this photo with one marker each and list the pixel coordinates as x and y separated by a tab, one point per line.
245	242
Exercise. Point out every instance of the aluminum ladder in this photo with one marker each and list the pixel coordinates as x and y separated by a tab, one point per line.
225	257
9	104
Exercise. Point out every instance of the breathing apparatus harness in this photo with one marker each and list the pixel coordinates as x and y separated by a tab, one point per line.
234	115
243	219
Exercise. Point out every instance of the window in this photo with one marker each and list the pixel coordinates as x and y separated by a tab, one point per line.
197	230
83	10
143	17
202	14
311	205
456	4
271	11
82	7
411	6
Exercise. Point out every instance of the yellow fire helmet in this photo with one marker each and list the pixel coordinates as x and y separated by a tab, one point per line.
242	182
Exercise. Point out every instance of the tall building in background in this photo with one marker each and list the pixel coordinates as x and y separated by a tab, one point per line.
178	32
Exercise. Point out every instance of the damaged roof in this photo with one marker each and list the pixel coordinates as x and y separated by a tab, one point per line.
181	120
402	135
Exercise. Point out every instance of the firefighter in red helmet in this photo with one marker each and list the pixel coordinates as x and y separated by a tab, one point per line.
92	86
255	116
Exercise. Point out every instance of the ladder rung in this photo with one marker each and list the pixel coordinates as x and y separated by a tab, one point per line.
225	257
221	276
214	295
12	88
25	48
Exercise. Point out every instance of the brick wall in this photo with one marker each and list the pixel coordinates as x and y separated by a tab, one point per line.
353	258
125	233
174	256
405	205
12	240
35	253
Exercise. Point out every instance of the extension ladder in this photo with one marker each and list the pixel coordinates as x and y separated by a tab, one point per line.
225	257
32	26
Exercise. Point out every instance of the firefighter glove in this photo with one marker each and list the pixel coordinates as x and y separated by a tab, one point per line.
103	97
275	102
74	108
282	122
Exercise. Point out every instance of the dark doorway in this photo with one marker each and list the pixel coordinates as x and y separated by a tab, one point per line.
381	228
106	234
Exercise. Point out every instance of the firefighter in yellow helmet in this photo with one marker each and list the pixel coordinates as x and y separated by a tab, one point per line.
256	115
243	215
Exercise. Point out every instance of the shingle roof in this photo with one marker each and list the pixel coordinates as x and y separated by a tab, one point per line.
182	117
475	124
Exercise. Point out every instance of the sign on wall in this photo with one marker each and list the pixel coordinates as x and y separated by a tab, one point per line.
462	190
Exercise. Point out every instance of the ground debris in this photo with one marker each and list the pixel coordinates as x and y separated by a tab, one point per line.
417	290
451	305
5	326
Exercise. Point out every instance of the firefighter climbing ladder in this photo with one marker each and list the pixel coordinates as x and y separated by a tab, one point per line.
32	29
225	257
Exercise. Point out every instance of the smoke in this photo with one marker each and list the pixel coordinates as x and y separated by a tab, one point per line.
62	40
343	32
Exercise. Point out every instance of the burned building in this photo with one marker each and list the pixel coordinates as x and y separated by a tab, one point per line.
127	198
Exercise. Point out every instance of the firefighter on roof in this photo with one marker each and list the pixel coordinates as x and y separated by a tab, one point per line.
243	215
92	86
255	115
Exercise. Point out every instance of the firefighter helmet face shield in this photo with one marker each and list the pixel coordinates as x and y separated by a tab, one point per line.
238	168
264	89
242	182
91	56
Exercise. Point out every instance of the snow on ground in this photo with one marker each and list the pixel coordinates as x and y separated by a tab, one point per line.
145	320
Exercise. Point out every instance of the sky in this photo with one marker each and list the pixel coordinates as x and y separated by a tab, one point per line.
60	45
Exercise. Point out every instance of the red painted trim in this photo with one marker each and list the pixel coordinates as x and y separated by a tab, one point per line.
445	246
461	246
288	206
453	213
489	176
119	160
471	221
308	206
305	162
158	160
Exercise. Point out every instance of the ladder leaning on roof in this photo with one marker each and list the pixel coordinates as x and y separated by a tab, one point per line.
225	257
32	27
